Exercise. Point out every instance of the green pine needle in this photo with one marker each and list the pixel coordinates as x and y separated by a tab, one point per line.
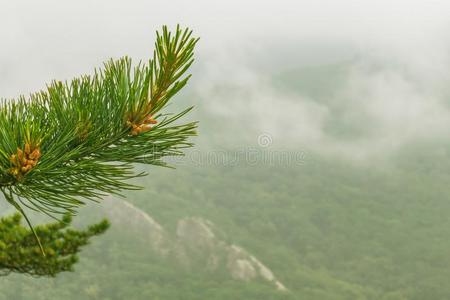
78	140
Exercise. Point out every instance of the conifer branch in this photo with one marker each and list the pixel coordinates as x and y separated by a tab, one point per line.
78	140
20	254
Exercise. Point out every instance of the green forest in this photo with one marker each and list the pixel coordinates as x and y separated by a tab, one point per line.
333	231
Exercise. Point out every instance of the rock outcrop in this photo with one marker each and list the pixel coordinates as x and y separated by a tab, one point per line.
197	234
196	243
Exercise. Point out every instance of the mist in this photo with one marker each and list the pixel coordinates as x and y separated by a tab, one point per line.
394	91
320	169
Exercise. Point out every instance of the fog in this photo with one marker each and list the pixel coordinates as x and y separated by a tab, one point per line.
321	166
394	91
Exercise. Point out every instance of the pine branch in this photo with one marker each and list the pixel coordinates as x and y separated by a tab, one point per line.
20	254
78	140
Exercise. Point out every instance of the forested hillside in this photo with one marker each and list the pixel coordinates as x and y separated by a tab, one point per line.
332	231
327	228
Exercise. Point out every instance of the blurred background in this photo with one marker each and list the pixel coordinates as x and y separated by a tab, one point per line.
322	163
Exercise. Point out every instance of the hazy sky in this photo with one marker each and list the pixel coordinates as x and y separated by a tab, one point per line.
44	40
47	39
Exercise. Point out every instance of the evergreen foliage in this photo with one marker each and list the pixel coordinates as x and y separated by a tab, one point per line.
78	140
19	252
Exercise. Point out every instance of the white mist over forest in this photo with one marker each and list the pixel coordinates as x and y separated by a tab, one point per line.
322	163
393	91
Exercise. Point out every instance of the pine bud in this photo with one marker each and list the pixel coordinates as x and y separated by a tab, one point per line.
14	171
19	153
36	154
27	148
24	161
150	120
145	128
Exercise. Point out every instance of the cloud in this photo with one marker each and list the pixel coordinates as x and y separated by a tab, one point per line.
394	91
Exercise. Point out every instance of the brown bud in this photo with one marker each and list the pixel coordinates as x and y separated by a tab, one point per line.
27	148
36	154
19	153
150	120
145	128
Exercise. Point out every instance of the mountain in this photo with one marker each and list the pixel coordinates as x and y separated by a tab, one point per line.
194	245
226	226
